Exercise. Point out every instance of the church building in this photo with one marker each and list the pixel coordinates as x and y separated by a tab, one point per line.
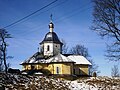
51	62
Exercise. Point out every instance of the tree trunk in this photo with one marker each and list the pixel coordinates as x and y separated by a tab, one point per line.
4	58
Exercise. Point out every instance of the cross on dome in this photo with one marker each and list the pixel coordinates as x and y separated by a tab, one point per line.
51	25
51	18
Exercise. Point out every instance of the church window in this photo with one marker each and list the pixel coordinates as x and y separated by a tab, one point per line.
32	67
79	71
74	71
57	70
48	48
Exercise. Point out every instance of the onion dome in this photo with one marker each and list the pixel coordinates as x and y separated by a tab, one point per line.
51	37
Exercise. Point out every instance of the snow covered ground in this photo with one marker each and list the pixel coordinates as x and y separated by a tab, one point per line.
99	83
81	86
24	82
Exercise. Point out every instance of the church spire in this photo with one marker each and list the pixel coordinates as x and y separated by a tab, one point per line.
51	25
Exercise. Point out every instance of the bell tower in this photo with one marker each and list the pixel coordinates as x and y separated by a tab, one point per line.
51	45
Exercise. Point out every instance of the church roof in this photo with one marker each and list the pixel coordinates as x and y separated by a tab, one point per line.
79	59
59	58
39	58
51	37
36	58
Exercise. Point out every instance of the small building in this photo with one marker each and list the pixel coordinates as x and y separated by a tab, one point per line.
50	60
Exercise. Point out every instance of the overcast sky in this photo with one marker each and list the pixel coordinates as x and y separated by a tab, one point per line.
72	20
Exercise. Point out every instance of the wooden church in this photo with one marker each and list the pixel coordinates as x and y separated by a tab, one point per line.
51	62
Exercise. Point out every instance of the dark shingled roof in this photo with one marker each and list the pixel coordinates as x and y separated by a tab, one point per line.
51	37
36	57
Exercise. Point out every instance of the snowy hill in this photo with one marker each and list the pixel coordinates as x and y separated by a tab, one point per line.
23	82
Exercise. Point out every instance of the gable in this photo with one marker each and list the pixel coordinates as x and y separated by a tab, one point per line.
79	59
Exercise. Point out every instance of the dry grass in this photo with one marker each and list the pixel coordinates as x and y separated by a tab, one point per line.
20	82
105	83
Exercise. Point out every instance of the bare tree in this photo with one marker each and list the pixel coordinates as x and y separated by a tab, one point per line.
1	63
93	68
106	22
64	47
83	51
115	71
3	46
80	50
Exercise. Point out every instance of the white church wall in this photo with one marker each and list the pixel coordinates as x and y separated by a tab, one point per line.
50	51
57	48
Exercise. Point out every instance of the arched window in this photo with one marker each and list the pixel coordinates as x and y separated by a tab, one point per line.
48	48
79	72
32	67
57	70
73	71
